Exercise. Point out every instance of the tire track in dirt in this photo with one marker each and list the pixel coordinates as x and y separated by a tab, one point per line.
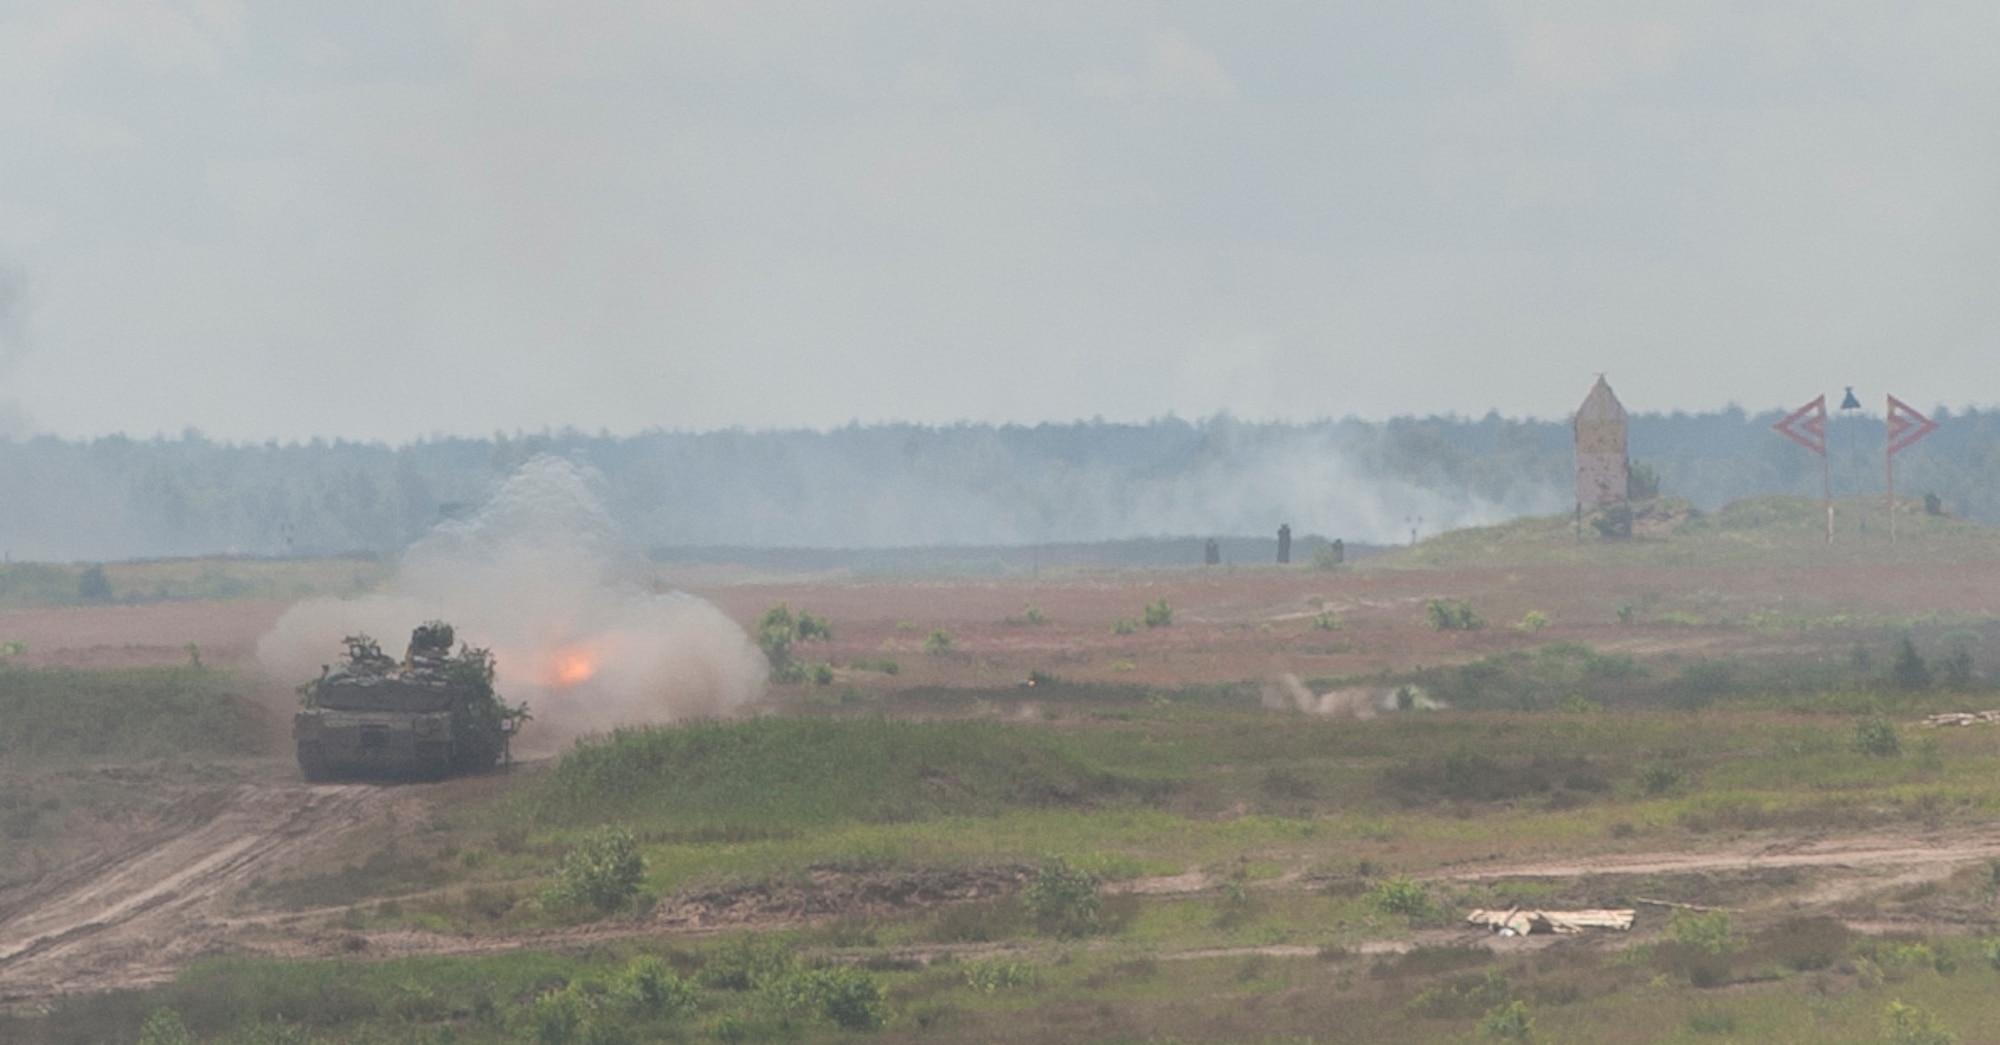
136	915
1848	853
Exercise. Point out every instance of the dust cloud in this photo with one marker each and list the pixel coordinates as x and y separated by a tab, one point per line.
1284	692
542	577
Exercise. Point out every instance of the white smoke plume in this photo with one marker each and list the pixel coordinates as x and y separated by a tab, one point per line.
1284	692
541	577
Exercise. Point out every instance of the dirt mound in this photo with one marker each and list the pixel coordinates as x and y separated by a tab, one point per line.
828	892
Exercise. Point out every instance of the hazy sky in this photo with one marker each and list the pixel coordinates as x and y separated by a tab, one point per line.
381	220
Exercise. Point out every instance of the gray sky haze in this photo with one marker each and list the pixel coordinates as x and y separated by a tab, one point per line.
388	219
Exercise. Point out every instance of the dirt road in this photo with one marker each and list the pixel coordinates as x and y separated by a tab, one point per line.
137	912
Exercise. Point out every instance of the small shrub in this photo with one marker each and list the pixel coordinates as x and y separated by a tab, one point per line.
164	1027
748	963
1508	1021
1400	895
1876	736
850	998
1578	704
1707	930
93	586
813	629
1125	627
604	872
557	1016
1898	960
1326	557
1063	899
1711	1021
1158	614
821	674
937	642
1904	1024
1659	778
1032	614
1956	667
1535	621
1908	671
1001	974
1327	622
1453	615
1704	680
778	630
1992	951
652	988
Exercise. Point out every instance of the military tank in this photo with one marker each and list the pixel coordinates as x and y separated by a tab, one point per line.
433	714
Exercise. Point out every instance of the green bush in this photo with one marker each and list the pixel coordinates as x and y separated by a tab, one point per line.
821	674
748	963
1125	626
938	641
1535	621
1400	895
1707	930
653	990
557	1016
1452	615
164	1027
813	629
1508	1021
1063	899
603	872
1904	1024
1908	671
1876	736
778	630
1659	778
93	586
1158	614
850	998
1001	974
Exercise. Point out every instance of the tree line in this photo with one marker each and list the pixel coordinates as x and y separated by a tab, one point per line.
888	485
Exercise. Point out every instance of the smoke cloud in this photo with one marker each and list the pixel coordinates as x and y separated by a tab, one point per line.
1284	692
542	577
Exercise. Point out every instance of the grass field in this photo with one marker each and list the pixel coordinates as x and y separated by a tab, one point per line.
956	857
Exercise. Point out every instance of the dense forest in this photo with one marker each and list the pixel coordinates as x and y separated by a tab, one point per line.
873	486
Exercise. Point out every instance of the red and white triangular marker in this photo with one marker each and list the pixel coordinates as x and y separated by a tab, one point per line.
1806	426
1906	426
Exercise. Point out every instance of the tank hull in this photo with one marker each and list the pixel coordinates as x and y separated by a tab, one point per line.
339	745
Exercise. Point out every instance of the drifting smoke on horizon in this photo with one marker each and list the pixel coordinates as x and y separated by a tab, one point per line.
541	576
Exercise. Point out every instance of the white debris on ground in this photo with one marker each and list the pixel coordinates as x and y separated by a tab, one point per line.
1963	718
1517	922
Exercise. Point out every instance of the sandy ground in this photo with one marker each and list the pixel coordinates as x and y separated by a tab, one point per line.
138	910
141	906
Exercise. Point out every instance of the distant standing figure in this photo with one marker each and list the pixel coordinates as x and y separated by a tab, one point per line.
1211	553
1284	544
